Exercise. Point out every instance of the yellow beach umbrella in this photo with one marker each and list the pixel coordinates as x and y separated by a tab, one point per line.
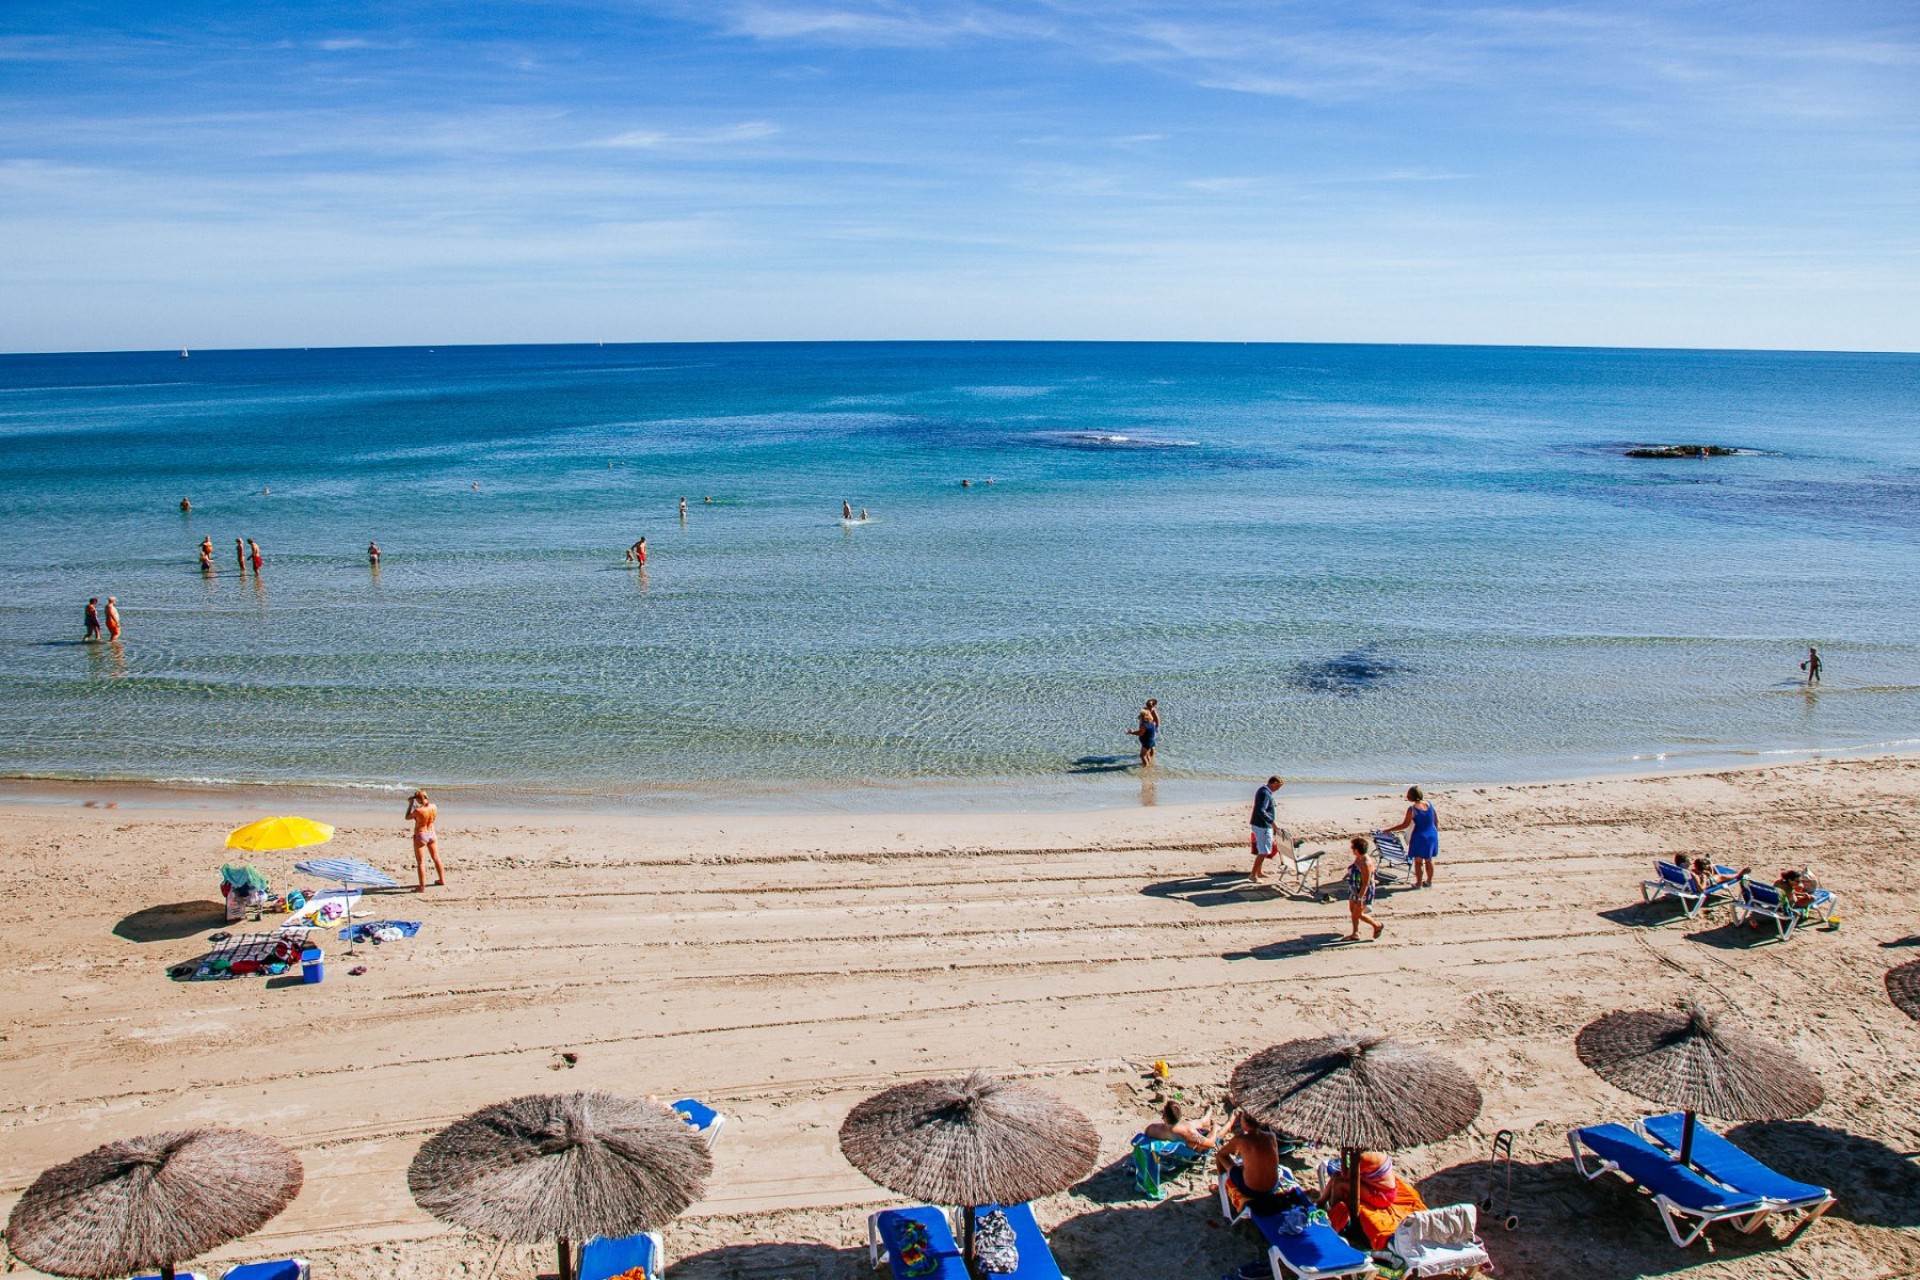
279	833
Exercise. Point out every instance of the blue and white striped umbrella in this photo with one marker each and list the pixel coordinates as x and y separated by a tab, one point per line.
346	871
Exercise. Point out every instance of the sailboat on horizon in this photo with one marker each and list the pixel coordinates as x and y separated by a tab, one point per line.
183	353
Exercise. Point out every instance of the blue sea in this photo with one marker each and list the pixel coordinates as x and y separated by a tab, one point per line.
1349	564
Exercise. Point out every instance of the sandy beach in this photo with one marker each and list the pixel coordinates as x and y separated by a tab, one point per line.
782	969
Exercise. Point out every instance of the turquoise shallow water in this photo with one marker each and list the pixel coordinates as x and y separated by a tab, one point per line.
1346	563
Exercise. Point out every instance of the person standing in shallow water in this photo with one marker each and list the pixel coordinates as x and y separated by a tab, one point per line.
240	554
1423	844
113	619
1812	667
93	618
1148	731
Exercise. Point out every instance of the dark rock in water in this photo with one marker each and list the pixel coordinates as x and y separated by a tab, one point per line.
1349	673
1682	451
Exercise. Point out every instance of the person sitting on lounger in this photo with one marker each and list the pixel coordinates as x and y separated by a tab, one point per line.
1250	1157
1799	890
1173	1126
1385	1198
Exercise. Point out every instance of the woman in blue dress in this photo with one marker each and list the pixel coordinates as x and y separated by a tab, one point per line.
1423	844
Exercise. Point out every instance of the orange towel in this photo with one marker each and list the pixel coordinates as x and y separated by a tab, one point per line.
1380	1212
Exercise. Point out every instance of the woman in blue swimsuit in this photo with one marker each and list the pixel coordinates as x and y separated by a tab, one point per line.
1423	844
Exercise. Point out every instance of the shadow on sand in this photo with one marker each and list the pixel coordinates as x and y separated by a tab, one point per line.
1182	1236
780	1261
1214	889
171	922
1872	1184
1103	764
1293	948
1603	1230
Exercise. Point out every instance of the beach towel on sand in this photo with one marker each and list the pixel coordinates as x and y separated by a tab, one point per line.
380	931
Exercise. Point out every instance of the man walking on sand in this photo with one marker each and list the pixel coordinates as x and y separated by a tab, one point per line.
425	840
1262	824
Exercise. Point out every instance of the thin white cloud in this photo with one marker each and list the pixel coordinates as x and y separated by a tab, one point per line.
653	139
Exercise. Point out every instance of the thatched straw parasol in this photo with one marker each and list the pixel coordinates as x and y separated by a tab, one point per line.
565	1167
151	1203
1903	987
968	1142
1358	1092
1686	1059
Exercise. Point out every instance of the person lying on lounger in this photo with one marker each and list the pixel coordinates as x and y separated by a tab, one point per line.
1173	1126
1385	1198
1705	879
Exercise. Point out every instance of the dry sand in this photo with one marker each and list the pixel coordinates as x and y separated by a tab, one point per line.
783	969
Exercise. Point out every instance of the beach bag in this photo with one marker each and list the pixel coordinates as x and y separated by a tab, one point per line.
994	1246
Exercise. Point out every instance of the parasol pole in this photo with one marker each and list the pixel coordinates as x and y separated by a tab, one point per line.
966	1237
1686	1141
566	1271
1350	1162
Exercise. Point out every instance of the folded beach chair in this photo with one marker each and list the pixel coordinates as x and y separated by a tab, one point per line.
703	1119
1728	1165
1158	1162
888	1245
1441	1242
1672	882
1316	1253
1391	865
283	1269
1036	1255
604	1259
1764	902
1688	1203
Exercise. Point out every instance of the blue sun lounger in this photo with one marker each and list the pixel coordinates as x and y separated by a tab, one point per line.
1765	902
886	1228
1688	1203
284	1269
1318	1253
701	1118
1036	1255
1728	1165
602	1259
1672	882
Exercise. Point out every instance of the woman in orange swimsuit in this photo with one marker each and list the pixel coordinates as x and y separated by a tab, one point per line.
426	841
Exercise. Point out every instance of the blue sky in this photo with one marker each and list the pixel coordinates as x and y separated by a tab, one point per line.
272	174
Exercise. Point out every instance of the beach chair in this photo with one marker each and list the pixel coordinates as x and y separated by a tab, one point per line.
887	1231
1728	1165
282	1269
1299	873
1758	901
703	1119
1036	1255
1441	1242
603	1259
1158	1162
1316	1253
1672	882
1687	1202
1391	865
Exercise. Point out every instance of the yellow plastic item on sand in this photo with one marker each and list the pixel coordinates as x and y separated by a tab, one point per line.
1160	1068
279	833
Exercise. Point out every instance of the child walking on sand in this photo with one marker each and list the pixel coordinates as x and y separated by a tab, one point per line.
1360	885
